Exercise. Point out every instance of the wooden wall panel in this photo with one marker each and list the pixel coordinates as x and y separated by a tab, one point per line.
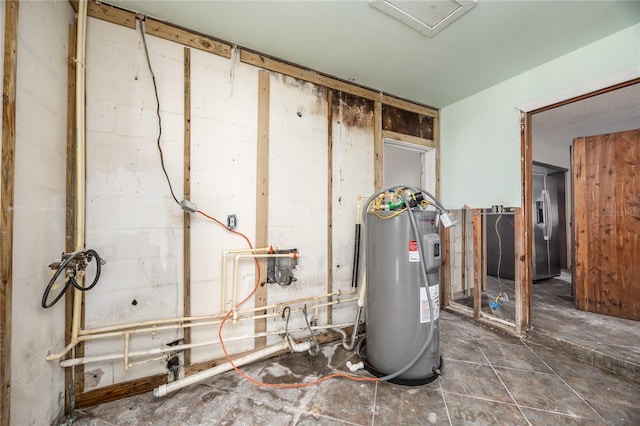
606	173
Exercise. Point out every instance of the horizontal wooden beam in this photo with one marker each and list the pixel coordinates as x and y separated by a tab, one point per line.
187	38
314	77
119	390
401	137
111	14
408	106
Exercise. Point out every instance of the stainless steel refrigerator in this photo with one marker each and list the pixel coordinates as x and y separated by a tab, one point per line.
546	228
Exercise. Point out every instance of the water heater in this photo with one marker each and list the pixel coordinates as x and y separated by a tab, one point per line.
402	246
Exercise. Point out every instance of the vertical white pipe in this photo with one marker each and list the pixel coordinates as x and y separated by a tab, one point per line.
80	127
223	295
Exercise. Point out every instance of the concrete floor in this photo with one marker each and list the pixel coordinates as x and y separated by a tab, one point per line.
488	378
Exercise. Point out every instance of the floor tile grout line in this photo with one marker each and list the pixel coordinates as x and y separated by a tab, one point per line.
567	384
375	404
503	384
558	413
503	367
466	362
480	398
444	400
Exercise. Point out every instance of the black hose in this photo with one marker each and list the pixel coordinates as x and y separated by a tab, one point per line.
71	281
356	257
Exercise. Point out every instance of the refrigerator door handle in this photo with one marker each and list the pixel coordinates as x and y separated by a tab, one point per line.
548	219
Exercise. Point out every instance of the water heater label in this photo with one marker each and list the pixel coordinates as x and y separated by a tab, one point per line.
414	254
434	291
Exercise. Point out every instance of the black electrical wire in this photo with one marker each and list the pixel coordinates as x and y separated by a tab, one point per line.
155	89
71	281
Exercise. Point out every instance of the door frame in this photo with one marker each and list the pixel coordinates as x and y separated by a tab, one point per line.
525	229
425	152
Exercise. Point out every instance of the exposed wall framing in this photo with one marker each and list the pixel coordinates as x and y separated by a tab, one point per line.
330	202
190	38
262	198
378	148
186	245
478	261
379	101
7	186
70	217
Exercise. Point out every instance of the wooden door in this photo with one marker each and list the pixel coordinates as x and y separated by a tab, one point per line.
606	217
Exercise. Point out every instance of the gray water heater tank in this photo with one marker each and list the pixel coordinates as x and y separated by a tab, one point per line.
397	315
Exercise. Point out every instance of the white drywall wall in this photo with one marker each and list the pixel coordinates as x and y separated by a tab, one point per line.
224	109
137	227
132	219
352	178
480	135
37	386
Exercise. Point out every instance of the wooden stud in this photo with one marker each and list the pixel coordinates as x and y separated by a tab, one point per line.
523	229
330	203
262	198
483	242
111	14
518	243
477	263
7	186
186	242
187	38
436	137
378	148
463	260
70	217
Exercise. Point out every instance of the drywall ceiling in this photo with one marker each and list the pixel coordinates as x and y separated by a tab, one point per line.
354	41
614	111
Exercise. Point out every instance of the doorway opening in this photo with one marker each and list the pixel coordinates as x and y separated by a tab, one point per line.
409	164
547	146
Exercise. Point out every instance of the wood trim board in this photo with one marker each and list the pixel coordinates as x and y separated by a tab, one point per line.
262	198
7	187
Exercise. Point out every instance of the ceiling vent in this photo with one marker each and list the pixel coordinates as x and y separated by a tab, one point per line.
428	17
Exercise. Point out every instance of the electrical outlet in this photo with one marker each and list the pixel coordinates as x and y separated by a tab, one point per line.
232	222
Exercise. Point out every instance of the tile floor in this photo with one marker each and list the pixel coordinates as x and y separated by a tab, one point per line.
608	342
488	379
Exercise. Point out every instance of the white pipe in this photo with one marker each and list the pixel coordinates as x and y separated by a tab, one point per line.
238	257
186	322
126	351
223	296
219	369
156	351
80	152
299	347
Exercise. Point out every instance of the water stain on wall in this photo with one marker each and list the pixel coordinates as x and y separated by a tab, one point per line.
320	92
407	122
353	111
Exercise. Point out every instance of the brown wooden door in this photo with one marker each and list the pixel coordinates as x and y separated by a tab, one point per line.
606	218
